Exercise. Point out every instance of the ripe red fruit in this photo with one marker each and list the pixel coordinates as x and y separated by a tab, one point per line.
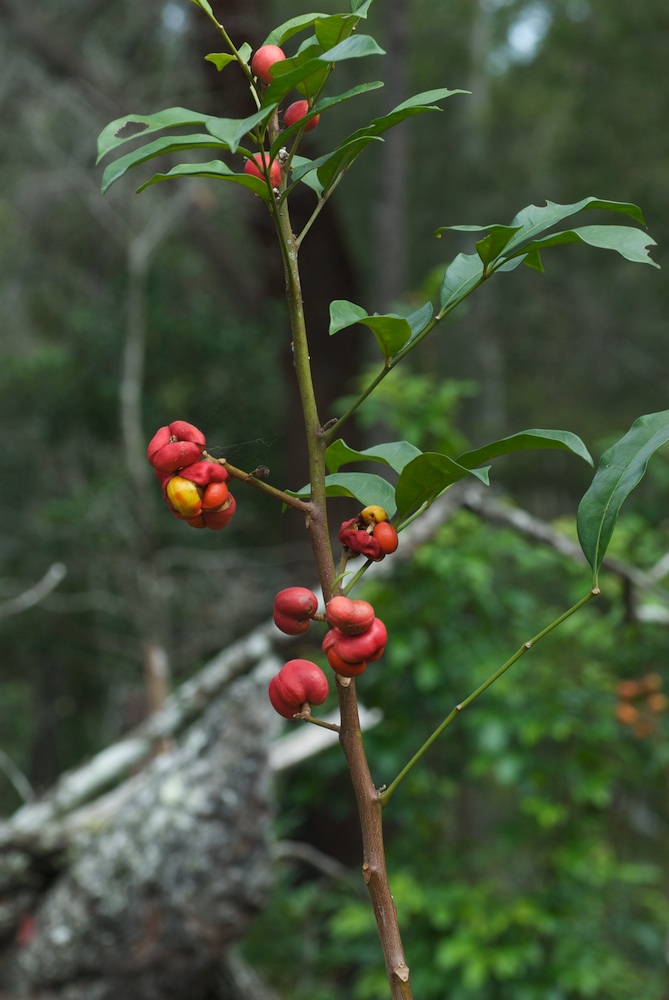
298	682
358	540
386	536
294	608
254	167
264	59
366	646
343	667
350	617
199	495
174	446
295	112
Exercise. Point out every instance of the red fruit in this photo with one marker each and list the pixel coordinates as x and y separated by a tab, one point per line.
343	667
294	608
264	59
367	646
217	519
215	496
174	446
358	540
254	168
386	536
296	112
351	617
298	682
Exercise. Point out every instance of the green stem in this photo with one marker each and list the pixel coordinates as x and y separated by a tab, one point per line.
334	428
260	484
387	793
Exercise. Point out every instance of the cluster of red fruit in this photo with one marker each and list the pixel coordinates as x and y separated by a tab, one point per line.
356	636
640	702
369	534
194	487
261	65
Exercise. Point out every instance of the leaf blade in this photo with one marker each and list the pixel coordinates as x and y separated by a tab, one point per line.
621	468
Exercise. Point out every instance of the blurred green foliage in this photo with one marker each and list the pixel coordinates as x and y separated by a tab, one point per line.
527	850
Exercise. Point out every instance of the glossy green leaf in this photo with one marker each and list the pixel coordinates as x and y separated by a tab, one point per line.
305	71
165	144
291	27
331	165
323	105
304	171
528	440
231	131
491	245
215	169
535	219
628	241
355	47
391	331
330	31
621	468
462	275
426	477
110	139
396	454
419	319
364	487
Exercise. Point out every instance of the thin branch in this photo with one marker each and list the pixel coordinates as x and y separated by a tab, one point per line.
29	598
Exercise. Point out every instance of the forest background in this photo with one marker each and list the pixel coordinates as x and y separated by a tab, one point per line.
123	313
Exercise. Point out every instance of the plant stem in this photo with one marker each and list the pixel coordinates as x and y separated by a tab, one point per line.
387	793
350	736
259	484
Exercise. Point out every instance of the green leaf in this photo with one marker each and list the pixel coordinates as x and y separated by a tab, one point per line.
169	118
206	7
533	220
491	245
340	159
166	144
391	331
536	219
419	319
304	71
319	108
232	130
352	48
396	454
364	487
304	170
214	169
621	468
334	29
528	440
291	27
426	477
462	275
222	59
628	241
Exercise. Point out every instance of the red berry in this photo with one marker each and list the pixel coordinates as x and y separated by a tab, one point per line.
294	608
344	668
296	112
386	536
298	682
174	446
351	617
355	648
264	59
254	167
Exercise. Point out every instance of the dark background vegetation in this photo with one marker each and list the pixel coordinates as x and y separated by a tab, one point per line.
529	853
